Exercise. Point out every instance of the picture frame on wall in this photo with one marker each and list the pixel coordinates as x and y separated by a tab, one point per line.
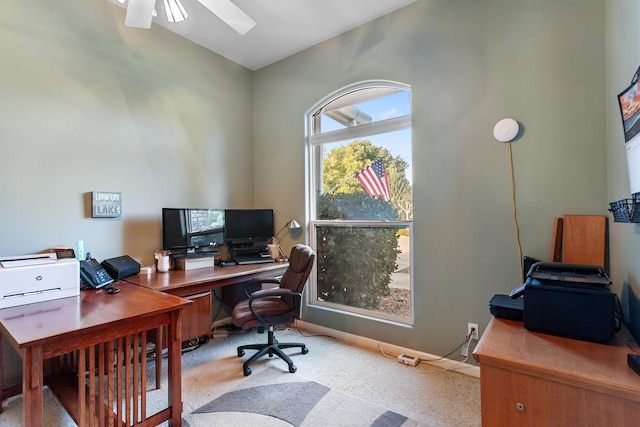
629	102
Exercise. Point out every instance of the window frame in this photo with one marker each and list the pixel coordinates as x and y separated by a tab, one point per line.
315	142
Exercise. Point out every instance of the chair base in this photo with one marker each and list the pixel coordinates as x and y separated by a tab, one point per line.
271	347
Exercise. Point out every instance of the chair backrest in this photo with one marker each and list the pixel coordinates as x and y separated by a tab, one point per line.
300	265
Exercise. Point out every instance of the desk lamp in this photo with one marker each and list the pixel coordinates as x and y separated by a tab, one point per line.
291	225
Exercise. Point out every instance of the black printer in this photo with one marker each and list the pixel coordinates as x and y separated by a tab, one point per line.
569	300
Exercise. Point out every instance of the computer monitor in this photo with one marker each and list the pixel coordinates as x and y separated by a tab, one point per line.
194	232
250	229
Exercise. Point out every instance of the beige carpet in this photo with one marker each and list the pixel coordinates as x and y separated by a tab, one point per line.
276	399
427	395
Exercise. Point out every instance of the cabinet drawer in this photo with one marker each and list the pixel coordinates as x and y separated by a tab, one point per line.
510	398
196	318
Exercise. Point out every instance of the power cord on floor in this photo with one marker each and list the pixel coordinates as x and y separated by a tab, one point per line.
385	354
450	368
464	345
466	342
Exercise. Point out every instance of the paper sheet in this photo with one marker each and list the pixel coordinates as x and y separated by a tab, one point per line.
633	163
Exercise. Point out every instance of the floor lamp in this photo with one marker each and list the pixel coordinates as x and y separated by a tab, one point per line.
291	225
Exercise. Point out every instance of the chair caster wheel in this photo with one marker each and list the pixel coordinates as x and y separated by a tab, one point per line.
305	350
292	368
241	353
247	372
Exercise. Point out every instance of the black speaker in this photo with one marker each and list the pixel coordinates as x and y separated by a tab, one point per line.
121	267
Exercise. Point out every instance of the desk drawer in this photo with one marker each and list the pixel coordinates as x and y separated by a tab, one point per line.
196	318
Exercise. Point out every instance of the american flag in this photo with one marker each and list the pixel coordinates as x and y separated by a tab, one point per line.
374	180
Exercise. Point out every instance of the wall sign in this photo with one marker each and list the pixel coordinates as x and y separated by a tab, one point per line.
106	205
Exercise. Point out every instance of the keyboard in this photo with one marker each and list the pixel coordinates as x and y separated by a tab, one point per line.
242	259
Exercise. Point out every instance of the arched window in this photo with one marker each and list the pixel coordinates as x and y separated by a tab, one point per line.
361	205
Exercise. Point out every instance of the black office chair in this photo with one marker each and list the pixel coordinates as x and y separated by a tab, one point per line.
278	306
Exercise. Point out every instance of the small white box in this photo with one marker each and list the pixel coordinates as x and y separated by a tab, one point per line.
187	263
408	360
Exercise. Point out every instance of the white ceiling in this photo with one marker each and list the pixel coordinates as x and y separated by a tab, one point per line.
283	27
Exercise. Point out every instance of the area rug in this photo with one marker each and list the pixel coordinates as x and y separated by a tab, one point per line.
271	399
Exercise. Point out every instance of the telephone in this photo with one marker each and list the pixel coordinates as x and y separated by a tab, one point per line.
93	274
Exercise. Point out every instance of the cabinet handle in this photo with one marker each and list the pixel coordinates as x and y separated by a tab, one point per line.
520	407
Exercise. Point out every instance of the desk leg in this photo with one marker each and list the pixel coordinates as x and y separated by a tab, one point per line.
32	382
174	369
158	350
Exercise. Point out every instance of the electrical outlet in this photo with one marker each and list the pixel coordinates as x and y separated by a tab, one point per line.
473	326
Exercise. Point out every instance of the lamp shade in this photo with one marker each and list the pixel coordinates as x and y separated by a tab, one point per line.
293	224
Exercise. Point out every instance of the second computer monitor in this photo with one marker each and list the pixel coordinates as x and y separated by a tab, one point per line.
248	228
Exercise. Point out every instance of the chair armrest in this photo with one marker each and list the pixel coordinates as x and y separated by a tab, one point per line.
273	292
247	293
294	300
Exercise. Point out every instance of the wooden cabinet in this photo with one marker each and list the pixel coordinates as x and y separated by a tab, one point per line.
532	379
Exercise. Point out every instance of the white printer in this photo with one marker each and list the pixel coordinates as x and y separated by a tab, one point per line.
26	279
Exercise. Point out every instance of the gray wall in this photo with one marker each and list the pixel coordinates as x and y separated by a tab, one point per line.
469	64
90	105
623	59
87	104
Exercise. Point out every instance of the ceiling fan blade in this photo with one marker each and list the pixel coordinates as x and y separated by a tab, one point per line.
230	14
139	13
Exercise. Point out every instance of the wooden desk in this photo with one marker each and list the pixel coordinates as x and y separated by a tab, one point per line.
533	379
88	336
196	285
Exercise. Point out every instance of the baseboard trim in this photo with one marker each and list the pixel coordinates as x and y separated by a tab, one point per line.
391	349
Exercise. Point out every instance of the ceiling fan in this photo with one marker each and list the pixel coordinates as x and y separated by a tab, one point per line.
141	12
